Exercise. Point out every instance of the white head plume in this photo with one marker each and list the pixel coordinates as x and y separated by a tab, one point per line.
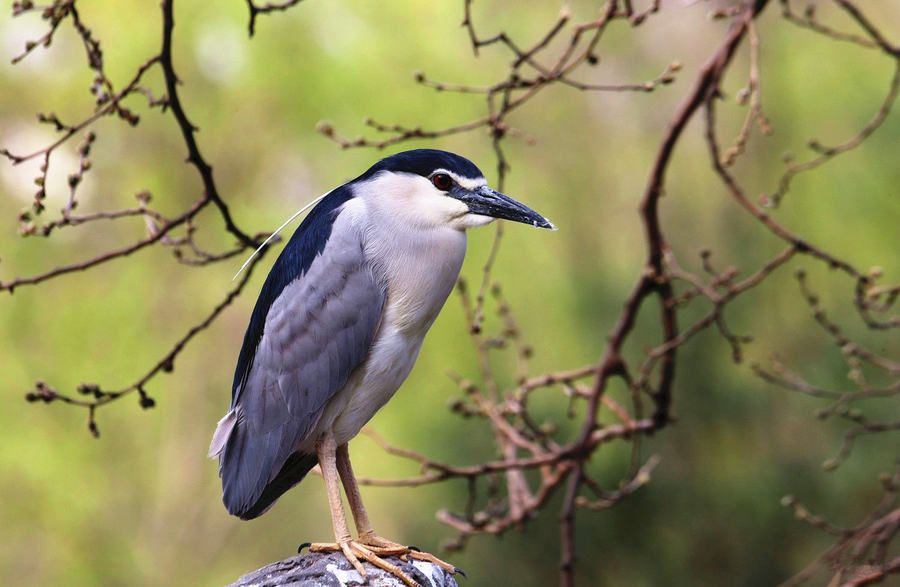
271	236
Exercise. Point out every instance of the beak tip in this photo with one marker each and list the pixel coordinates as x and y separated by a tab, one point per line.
546	224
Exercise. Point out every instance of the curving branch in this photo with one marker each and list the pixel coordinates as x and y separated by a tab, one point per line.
826	154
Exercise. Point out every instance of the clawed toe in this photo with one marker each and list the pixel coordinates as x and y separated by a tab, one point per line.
380	545
430	558
371	548
354	551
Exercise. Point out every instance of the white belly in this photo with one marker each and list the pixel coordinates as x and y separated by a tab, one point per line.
392	358
420	276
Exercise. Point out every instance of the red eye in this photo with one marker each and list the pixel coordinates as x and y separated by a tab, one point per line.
442	181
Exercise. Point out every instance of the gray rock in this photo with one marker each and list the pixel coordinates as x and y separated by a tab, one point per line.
333	570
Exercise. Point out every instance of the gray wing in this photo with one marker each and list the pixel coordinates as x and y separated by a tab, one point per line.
316	332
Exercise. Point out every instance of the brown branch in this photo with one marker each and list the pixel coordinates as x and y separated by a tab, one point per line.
526	77
755	114
108	255
869	27
775	227
109	108
859	553
567	527
808	21
649	281
826	154
570	451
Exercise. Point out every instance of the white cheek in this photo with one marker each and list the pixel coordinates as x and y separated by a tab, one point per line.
439	210
450	212
468	221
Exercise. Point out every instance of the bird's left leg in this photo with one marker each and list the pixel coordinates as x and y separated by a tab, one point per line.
353	550
367	535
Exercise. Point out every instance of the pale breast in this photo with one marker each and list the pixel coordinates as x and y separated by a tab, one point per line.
420	273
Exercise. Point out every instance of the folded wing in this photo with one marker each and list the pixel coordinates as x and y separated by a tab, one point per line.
314	323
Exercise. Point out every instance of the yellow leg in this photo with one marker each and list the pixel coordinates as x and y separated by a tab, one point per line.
353	550
354	498
367	535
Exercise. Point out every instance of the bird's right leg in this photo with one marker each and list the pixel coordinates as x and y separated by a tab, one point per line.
353	550
367	535
354	498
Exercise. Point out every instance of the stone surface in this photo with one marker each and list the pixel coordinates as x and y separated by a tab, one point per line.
333	570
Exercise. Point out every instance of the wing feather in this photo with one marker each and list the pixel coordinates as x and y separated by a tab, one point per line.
312	334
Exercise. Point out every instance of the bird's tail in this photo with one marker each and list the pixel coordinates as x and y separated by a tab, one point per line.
292	472
222	434
246	492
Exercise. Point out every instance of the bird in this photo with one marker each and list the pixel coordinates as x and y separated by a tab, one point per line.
337	327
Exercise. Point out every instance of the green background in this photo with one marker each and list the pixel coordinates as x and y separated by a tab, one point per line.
141	505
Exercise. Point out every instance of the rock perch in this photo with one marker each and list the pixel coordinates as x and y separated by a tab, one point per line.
333	570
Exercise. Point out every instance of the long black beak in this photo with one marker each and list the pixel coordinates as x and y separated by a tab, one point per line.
487	202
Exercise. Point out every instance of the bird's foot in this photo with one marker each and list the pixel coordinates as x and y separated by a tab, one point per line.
374	540
354	551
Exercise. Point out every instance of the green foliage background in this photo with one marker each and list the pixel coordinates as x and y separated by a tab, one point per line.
141	505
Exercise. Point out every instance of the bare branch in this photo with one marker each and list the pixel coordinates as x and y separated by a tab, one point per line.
267	8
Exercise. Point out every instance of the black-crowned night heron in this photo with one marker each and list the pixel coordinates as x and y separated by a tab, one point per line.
337	328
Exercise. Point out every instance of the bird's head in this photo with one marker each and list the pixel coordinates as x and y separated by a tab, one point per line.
431	188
